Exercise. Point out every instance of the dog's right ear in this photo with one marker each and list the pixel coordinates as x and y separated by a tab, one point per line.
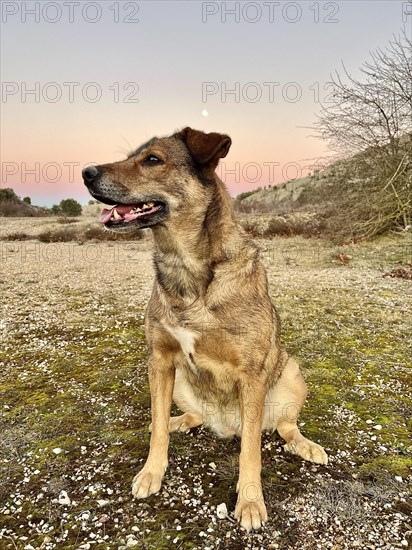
206	149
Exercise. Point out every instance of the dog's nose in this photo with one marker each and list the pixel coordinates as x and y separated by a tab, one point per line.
90	174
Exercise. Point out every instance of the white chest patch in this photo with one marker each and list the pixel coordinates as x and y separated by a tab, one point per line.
186	339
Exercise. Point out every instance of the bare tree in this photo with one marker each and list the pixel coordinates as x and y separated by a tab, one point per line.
370	119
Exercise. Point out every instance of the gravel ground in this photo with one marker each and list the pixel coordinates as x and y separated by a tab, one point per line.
75	404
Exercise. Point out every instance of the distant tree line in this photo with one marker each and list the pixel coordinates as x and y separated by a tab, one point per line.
12	205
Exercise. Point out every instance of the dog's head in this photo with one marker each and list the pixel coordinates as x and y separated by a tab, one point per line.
163	177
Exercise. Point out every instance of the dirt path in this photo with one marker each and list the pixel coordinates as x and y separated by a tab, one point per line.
75	404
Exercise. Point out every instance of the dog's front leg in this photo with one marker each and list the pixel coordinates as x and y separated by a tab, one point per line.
161	380
250	508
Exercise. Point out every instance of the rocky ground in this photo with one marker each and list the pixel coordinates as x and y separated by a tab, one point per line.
75	403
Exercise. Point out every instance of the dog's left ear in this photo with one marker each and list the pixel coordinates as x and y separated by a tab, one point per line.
206	149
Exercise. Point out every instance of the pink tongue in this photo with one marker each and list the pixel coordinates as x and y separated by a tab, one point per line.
107	214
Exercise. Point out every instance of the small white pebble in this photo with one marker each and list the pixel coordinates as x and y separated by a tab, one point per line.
221	511
399	478
64	498
377	427
57	450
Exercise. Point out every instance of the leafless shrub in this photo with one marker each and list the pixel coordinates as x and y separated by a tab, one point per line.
401	273
370	118
66	219
81	234
58	235
17	237
346	500
15	441
307	224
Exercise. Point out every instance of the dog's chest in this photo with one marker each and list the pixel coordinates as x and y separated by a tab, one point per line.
186	339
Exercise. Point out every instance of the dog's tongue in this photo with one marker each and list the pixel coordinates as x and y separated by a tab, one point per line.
106	214
122	210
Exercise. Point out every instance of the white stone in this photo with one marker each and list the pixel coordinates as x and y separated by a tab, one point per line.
221	511
57	450
64	498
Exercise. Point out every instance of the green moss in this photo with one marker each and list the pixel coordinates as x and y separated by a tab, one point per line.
88	387
379	468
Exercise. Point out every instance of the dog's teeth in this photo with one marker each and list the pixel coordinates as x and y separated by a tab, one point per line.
145	207
150	204
116	215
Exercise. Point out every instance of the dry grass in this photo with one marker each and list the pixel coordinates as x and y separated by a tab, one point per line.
267	226
83	234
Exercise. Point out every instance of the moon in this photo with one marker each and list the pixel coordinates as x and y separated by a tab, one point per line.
205	113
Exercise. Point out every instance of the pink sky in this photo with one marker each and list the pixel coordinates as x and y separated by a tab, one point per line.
177	61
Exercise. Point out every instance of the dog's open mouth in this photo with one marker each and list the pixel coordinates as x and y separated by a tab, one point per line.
122	214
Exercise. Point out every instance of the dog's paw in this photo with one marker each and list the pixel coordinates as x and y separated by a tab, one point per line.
178	424
175	425
307	450
251	515
147	482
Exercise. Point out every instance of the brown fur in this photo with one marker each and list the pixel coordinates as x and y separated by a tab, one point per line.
211	329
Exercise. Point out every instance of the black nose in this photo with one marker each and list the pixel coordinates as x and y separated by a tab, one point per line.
90	174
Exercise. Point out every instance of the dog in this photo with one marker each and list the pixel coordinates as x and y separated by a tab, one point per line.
212	333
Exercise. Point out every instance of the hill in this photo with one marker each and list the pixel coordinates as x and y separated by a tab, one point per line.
11	205
356	197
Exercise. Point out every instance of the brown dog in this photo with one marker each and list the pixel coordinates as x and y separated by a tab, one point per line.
211	329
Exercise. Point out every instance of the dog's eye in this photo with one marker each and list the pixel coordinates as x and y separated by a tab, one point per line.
152	160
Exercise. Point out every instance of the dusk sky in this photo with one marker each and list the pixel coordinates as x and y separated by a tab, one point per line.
84	81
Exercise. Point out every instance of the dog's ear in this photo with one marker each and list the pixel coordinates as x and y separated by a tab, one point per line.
206	149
